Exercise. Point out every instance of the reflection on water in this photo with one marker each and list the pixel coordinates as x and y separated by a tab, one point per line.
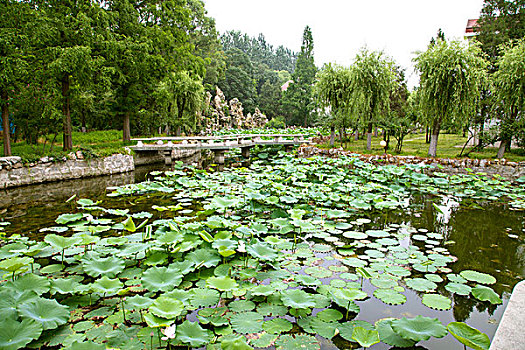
476	233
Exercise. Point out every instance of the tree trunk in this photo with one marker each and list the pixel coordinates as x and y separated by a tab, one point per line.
375	132
480	134
83	121
502	148
432	149
356	134
67	143
332	136
126	129
369	137
5	125
178	131
427	134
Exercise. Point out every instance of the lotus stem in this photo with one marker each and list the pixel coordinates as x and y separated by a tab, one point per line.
13	277
63	250
123	309
158	334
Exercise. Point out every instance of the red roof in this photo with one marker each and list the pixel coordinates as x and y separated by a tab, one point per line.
471	25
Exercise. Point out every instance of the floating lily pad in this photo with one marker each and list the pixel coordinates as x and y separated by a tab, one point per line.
167	308
297	341
297	299
161	278
365	337
436	301
458	288
486	294
421	284
419	328
277	326
241	305
192	333
389	296
479	277
247	322
388	336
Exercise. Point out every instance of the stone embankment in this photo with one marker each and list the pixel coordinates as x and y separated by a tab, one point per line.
490	167
13	172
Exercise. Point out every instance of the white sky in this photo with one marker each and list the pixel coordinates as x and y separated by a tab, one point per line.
341	27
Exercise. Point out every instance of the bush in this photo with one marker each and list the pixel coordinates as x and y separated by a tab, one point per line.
276	123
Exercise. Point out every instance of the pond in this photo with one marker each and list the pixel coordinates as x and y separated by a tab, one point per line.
290	253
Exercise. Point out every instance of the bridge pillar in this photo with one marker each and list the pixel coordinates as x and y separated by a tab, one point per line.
246	152
219	159
167	157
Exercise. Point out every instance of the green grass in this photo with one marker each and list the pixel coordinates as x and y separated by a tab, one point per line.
449	146
93	144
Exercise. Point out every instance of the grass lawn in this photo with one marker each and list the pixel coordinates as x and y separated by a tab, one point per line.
449	146
93	144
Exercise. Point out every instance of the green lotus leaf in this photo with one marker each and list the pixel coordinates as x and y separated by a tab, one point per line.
355	235
167	308
262	290
201	297
421	284
479	277
297	341
383	282
346	329
365	337
247	322
486	294
390	296
29	281
458	288
336	214
262	251
419	328
161	278
241	305
297	299
138	302
11	299
318	272
434	278
60	242
469	336
235	343
204	257
329	315
306	280
15	335
110	266
69	285
107	286
349	294
436	301
272	310
86	345
155	322
67	218
264	340
277	326
48	313
388	336
397	271
354	262
224	284
15	263
192	333
326	330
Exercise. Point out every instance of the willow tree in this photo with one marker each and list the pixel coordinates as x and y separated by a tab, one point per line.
452	76
333	89
372	84
509	83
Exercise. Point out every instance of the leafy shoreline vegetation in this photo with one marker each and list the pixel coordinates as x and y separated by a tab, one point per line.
248	258
144	66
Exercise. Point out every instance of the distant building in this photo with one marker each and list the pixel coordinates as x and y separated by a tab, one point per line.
472	29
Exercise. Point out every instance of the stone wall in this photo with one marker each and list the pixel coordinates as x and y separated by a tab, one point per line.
490	167
13	173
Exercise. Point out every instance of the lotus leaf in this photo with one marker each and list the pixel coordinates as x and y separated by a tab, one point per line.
297	299
67	218
29	281
389	296
349	294
161	278
110	266
201	297
107	286
241	305
204	257
15	263
318	272
247	322
86	345
421	284
272	310
297	341
262	251
383	282
486	294
235	343
346	329
436	301
155	322
419	328
224	284
69	285
479	277
329	315
326	330
167	308
388	336
458	288
264	340
48	313
277	326
365	337
15	335
469	336
138	302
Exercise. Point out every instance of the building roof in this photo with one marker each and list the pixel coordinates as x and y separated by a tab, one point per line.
472	24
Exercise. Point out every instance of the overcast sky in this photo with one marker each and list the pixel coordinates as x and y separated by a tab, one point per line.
341	27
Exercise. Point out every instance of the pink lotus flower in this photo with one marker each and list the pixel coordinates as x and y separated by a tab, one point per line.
169	332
